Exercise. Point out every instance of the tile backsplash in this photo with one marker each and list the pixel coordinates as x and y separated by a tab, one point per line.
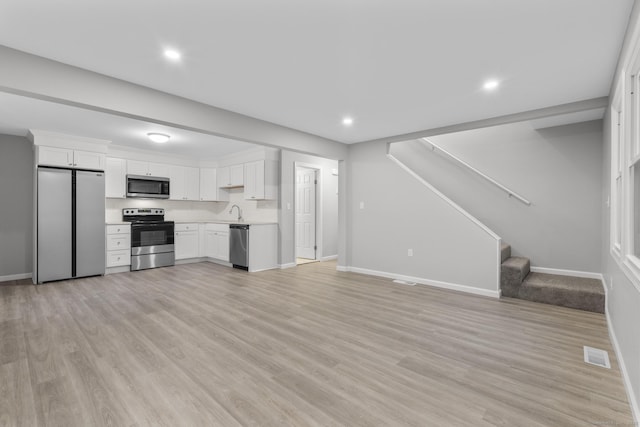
252	210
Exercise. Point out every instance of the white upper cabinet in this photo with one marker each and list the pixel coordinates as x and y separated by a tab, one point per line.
88	160
53	156
185	183
159	169
192	183
116	178
135	167
65	157
176	184
231	176
260	180
209	191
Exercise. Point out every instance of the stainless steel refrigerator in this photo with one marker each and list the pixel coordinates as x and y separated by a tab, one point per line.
70	224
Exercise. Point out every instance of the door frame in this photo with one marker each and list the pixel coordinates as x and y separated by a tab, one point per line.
318	215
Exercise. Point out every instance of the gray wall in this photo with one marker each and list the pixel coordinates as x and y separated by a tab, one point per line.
399	214
558	169
16	208
623	298
328	238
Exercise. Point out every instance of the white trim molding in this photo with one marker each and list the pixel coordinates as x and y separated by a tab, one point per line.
342	268
288	265
562	272
423	281
11	277
116	270
631	396
328	258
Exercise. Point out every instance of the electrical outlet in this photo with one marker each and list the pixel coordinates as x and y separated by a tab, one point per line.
288	206
410	252
361	205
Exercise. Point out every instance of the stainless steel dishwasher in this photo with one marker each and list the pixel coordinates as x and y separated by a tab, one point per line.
239	246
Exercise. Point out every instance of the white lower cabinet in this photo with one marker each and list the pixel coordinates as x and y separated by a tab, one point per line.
118	245
118	258
186	241
216	241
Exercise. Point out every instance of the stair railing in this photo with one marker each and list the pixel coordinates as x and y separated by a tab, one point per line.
507	190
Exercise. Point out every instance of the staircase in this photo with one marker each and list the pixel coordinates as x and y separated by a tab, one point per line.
516	281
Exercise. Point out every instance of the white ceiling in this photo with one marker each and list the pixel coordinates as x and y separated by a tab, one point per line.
394	66
19	114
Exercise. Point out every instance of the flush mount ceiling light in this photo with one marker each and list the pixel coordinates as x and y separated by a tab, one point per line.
158	137
347	121
490	85
172	54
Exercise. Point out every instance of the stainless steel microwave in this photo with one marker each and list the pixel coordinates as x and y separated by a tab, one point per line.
147	187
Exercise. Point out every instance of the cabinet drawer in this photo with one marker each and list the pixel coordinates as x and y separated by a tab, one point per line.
217	227
118	258
186	227
118	229
118	242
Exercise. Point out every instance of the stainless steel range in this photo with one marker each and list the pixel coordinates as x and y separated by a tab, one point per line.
151	238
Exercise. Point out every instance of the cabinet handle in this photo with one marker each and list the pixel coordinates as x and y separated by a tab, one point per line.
253	197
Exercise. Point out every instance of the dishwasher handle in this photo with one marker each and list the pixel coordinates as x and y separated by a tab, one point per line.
239	226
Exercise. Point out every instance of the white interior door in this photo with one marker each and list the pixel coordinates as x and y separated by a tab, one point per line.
305	213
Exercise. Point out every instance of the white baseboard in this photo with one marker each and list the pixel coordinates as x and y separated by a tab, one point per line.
342	268
423	281
120	269
190	261
328	258
288	265
561	272
631	396
11	277
219	261
257	270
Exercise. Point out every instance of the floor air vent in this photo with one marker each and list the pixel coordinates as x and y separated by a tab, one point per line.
404	282
595	356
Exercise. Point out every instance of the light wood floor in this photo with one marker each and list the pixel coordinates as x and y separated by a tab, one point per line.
202	344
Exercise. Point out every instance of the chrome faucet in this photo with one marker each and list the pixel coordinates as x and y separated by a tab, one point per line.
239	211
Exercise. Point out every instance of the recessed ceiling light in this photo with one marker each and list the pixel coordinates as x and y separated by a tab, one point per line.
491	85
158	137
347	121
173	55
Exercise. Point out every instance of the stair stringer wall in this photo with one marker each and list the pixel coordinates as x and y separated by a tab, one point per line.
391	211
557	169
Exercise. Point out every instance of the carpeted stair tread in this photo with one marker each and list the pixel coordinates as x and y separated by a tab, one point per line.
566	291
517	263
505	251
